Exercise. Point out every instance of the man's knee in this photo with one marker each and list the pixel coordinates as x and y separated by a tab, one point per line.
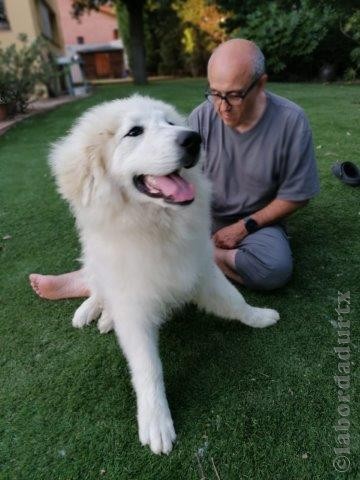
275	276
258	275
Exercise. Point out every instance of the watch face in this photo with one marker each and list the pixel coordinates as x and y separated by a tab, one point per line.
251	225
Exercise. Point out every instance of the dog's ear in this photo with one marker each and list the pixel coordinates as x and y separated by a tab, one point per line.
79	167
94	178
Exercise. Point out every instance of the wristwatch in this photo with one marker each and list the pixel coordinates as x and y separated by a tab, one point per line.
251	225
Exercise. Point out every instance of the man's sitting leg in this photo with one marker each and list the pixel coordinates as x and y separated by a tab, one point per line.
263	260
225	260
55	287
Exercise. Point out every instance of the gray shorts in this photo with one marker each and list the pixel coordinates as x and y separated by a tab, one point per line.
264	259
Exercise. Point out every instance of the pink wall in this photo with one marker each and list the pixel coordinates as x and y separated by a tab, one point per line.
96	27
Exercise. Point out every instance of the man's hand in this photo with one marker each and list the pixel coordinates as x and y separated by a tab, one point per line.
230	237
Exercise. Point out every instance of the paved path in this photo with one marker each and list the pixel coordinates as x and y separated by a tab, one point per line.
37	107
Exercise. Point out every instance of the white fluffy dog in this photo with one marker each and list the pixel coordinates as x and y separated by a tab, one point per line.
129	170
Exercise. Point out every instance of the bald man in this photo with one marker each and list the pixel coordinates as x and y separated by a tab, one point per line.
260	159
259	156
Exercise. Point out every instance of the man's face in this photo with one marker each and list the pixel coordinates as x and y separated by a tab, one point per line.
232	83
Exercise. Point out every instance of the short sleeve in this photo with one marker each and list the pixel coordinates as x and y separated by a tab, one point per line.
199	121
193	121
298	179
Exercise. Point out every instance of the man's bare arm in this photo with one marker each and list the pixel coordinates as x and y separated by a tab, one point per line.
229	237
276	210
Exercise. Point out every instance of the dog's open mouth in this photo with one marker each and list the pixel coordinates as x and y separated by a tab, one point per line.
172	188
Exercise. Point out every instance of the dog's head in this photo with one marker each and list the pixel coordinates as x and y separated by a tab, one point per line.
137	146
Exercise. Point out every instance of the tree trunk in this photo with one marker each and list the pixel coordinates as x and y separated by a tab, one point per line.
135	9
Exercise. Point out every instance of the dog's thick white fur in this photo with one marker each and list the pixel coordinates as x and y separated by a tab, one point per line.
143	253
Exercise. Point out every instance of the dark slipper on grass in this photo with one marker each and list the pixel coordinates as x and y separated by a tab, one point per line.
347	172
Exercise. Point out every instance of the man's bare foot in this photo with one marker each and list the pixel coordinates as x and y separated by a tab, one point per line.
55	287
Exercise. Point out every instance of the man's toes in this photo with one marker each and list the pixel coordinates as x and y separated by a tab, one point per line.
35	283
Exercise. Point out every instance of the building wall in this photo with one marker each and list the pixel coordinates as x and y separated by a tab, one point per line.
94	27
24	17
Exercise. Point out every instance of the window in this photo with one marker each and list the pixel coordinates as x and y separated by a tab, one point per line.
80	40
115	33
47	20
4	23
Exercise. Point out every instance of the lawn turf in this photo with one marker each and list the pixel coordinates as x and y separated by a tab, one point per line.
254	404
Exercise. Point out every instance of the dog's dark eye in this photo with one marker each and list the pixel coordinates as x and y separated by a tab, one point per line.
135	131
170	123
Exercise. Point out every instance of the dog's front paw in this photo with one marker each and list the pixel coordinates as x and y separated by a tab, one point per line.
156	429
105	323
86	313
261	317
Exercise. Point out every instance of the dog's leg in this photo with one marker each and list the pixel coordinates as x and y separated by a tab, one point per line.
138	337
87	312
217	295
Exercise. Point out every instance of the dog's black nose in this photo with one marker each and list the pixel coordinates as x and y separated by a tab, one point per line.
190	141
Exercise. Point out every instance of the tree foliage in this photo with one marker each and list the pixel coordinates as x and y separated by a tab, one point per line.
163	35
202	32
286	35
298	37
316	24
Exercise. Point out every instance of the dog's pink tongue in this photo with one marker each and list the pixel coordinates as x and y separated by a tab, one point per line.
172	186
175	187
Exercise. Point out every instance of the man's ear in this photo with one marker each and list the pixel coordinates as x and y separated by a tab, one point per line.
263	81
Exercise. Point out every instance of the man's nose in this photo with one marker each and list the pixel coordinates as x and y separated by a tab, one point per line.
224	106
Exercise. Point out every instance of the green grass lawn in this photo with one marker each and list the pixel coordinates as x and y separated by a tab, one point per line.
256	404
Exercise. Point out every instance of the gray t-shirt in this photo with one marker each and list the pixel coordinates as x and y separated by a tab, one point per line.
275	159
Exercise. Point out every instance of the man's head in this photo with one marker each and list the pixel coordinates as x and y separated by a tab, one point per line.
236	67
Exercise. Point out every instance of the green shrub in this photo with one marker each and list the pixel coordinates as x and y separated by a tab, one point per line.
22	69
351	30
350	74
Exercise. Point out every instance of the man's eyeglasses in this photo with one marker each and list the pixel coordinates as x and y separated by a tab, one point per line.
233	99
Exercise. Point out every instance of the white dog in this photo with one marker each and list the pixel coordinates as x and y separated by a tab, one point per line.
129	170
